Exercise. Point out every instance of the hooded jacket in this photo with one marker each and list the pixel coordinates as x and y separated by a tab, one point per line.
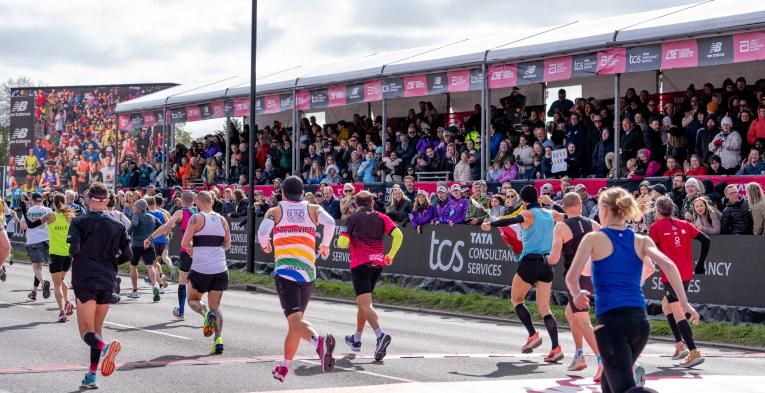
737	219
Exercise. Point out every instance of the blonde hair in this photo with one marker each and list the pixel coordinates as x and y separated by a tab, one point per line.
754	194
418	205
709	210
621	203
631	163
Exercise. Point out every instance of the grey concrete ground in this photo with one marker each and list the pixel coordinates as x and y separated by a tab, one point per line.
38	354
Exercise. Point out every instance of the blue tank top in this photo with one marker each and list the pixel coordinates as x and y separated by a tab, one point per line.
538	238
161	217
616	278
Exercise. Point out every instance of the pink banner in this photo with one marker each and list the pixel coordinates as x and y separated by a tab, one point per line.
149	120
502	75
272	104
336	95
679	54
558	69
739	181
749	46
242	107
303	98
458	81
193	113
123	122
218	109
612	61
415	86
373	91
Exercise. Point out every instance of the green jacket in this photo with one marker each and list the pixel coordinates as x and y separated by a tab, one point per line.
474	211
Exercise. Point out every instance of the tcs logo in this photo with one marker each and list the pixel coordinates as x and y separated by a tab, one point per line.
445	255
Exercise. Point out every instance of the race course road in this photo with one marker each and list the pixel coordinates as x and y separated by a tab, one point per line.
428	352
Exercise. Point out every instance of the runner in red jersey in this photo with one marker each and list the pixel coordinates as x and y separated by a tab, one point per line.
674	238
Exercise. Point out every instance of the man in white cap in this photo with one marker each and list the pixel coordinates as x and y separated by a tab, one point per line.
727	145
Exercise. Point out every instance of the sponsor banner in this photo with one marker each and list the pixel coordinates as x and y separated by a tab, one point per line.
373	91
123	122
438	82
149	119
585	64
715	50
271	104
592	185
739	181
415	86
22	118
558	69
458	81
336	95
354	93
303	99
611	61
476	79
258	105
531	72
228	108
644	58
749	46
242	106
193	113
679	54
136	120
218	109
178	115
392	88
286	102
160	116
502	76
205	111
319	99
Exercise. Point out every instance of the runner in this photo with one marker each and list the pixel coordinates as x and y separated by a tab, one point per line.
364	232
181	217
142	225
96	244
566	238
673	237
617	255
208	238
4	220
160	243
5	247
159	202
293	223
37	243
536	233
58	226
116	215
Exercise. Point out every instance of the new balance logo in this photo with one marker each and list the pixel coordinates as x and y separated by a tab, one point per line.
19	106
20	133
716	47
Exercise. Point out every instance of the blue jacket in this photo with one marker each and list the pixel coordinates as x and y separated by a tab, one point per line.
367	171
752	169
332	207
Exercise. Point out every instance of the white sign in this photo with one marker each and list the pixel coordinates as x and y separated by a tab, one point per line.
559	160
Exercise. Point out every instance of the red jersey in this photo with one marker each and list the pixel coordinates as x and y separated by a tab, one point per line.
366	229
675	239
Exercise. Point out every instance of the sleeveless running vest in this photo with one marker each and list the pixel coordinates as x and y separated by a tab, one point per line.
538	238
616	278
579	227
295	243
187	213
161	218
58	232
209	256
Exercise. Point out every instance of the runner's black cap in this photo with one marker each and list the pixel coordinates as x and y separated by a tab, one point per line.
36	196
529	194
293	188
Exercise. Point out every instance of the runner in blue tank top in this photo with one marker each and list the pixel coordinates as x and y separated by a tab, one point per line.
537	234
619	259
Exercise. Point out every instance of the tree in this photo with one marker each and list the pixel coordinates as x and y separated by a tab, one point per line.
182	136
5	105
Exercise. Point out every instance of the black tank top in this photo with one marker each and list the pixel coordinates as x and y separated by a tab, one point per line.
579	226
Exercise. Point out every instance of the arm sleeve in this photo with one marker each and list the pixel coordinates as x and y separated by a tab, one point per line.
74	239
398	238
504	222
32	224
264	230
126	252
329	227
557	208
705	243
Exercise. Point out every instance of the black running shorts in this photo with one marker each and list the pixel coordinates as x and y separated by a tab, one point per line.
184	262
294	296
147	254
533	268
203	283
159	248
38	252
60	263
585	283
670	294
365	277
101	296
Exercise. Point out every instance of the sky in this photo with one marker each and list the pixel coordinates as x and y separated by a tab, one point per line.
85	42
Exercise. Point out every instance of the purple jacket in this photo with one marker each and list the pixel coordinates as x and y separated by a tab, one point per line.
422	216
506	175
426	142
454	211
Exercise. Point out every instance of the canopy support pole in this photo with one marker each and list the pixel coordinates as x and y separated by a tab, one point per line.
484	123
251	142
384	127
227	165
165	145
617	124
295	133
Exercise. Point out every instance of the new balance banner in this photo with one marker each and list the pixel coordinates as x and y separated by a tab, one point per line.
392	88
286	102
585	64
193	113
228	108
271	104
502	76
149	119
319	99
218	109
205	111
749	46
336	95
178	116
258	106
531	72
679	54
557	69
415	86
611	61
644	58
354	94
438	83
476	79
715	50
373	91
136	120
22	117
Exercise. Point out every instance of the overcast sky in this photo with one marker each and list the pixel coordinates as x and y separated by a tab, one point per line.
103	42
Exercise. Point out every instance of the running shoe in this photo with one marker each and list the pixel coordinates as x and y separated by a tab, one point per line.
163	280
351	341
598	373
177	314
2	273
119	282
161	290
208	328
382	346
46	289
578	363
324	349
109	353
62	316
217	346
89	382
555	355
681	352
69	309
280	373
146	280
155	290
694	359
532	342
115	298
639	372
32	295
133	295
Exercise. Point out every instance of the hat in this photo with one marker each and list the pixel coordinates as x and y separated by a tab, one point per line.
36	196
580	187
278	179
455	186
692	182
218	155
726	120
547	187
293	188
379	150
659	188
141	205
712	107
422	192
479	182
441	189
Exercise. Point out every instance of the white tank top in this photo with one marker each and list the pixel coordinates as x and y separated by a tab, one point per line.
207	246
40	233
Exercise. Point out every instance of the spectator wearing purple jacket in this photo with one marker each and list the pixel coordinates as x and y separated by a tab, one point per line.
422	213
425	142
456	208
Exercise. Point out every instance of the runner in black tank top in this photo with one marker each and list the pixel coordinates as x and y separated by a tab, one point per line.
566	238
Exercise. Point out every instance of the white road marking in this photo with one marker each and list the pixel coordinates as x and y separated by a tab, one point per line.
364	372
17	305
147	330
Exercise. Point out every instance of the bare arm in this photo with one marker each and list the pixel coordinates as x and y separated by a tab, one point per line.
227	236
189	234
169	225
583	254
557	244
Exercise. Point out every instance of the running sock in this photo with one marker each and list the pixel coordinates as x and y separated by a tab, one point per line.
94	340
552	329
525	316
315	342
286	363
95	357
673	326
182	297
37	282
687	333
579	352
379	332
357	337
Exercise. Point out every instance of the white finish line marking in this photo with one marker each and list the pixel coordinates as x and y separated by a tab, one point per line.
147	330
365	372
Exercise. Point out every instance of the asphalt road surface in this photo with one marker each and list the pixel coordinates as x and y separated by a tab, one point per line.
428	352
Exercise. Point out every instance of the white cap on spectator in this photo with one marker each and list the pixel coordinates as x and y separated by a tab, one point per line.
441	189
455	186
218	155
726	120
547	187
692	182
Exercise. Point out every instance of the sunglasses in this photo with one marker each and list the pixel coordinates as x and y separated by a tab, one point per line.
348	191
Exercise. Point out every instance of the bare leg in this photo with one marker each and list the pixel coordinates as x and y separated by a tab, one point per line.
59	286
364	302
